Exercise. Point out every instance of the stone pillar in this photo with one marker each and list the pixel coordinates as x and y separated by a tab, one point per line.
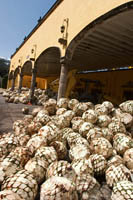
63	79
20	82
33	82
13	84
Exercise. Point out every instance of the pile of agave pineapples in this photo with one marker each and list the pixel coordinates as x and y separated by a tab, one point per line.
68	150
40	96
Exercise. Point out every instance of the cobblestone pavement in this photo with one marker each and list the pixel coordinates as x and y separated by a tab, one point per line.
10	112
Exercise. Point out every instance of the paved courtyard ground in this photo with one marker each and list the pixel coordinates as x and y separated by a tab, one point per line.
10	112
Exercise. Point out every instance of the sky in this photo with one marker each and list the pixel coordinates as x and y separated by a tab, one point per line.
17	19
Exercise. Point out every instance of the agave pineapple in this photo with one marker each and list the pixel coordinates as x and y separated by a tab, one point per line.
107	133
128	158
75	139
127	120
84	128
25	110
58	188
108	105
115	160
52	124
76	122
33	127
38	168
22	153
87	186
99	132
17	126
10	165
79	141
103	120
101	109
62	169
65	132
122	142
22	183
60	148
7	144
79	152
61	111
116	126
3	150
50	106
42	117
80	108
63	121
72	103
62	103
47	132
101	146
99	164
68	115
9	195
90	116
23	138
93	133
118	173
35	111
46	153
90	105
20	126
35	142
123	190
127	106
82	166
71	137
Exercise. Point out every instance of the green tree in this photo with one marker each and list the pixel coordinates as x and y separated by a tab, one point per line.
4	69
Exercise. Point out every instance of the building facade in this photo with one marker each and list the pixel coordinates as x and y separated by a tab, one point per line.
81	35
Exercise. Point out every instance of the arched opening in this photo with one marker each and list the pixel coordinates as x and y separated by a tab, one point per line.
48	67
106	43
26	72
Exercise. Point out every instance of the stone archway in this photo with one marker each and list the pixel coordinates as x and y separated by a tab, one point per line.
26	73
48	66
48	63
105	43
